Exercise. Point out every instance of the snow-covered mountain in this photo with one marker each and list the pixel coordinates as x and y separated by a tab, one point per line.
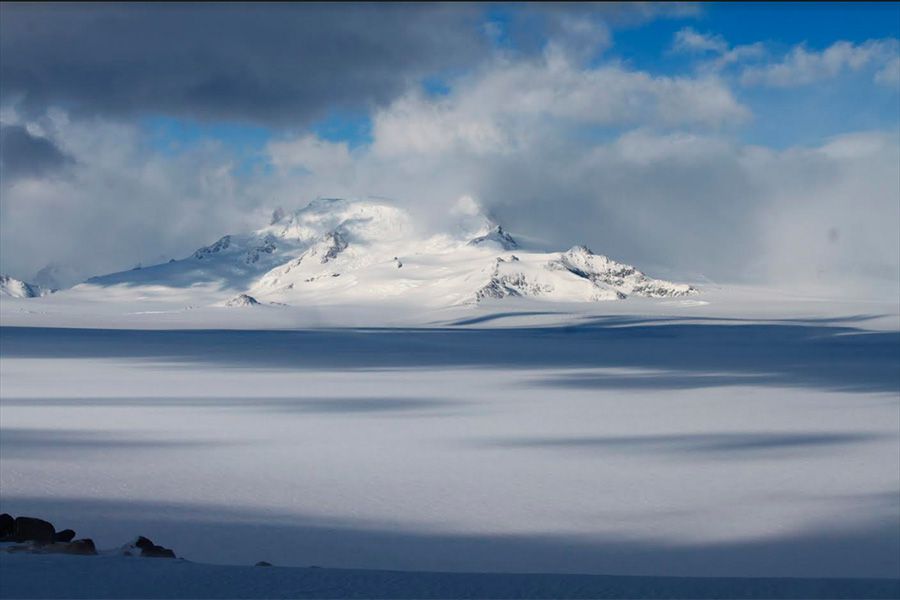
337	251
16	288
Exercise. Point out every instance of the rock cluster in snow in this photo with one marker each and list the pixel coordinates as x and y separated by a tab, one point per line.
37	536
30	534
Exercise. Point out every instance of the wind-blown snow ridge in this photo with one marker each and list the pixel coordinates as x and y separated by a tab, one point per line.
361	251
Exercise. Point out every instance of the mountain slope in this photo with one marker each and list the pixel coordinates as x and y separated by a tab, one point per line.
16	288
337	251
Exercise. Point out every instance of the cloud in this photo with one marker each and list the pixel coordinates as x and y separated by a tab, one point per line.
119	202
689	40
562	150
676	203
270	63
310	153
23	154
889	75
802	66
799	66
504	106
684	199
578	38
838	212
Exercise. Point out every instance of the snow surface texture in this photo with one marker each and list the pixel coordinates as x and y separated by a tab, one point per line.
368	251
26	576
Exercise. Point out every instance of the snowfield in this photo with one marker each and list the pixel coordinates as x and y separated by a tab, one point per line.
627	445
339	389
117	577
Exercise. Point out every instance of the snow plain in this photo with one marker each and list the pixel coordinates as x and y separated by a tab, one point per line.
735	433
25	576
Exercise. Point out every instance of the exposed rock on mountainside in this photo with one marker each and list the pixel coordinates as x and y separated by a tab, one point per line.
496	236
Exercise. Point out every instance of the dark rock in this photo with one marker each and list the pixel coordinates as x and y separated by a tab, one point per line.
66	535
38	530
7	525
83	546
157	552
263	563
142	542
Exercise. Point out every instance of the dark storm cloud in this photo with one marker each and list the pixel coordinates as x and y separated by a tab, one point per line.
26	155
267	63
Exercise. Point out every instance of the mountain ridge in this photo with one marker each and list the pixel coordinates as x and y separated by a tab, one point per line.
367	250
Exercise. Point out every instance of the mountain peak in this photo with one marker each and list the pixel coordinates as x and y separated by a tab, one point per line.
497	237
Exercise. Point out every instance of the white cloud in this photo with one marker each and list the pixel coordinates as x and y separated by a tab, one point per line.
642	147
579	38
802	66
689	40
502	108
119	203
737	55
799	66
684	201
310	153
889	75
838	209
415	124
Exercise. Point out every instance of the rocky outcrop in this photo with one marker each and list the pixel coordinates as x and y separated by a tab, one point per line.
30	529
496	236
7	525
37	536
148	549
222	244
66	535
